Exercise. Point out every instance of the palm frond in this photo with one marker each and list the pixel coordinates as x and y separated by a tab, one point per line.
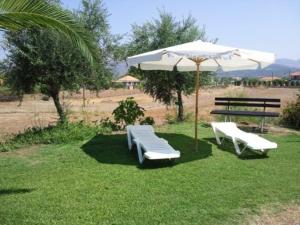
20	14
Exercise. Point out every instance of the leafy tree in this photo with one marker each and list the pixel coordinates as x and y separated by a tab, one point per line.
43	59
20	14
166	31
94	17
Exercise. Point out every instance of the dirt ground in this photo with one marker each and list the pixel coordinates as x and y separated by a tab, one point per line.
282	215
37	112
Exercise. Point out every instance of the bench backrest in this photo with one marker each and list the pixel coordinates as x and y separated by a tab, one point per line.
248	102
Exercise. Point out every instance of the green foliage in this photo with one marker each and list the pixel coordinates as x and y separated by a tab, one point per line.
21	14
58	134
147	121
44	59
94	16
170	118
107	123
118	85
128	112
167	86
5	91
291	114
41	58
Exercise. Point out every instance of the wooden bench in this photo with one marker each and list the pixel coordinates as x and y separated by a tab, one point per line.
262	103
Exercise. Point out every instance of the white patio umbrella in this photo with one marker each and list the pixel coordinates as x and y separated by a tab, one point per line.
201	56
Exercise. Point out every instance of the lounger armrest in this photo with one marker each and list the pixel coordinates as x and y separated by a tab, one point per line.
164	140
135	140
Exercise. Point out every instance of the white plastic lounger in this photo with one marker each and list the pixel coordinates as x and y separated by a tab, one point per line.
252	141
148	144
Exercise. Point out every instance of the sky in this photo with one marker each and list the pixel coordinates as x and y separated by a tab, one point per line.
266	25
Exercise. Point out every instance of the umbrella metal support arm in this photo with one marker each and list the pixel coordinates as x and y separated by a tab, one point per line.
198	61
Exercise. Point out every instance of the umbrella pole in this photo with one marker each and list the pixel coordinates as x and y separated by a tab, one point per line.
196	105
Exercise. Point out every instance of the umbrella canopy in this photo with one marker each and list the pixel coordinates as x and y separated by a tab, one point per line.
201	56
218	58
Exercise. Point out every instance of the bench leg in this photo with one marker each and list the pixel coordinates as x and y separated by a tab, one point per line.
262	125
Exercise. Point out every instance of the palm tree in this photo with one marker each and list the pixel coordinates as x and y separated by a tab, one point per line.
19	14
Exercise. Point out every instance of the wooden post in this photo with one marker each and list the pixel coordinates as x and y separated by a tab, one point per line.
196	107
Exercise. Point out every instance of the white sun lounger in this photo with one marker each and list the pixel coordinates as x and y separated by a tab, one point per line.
148	144
248	140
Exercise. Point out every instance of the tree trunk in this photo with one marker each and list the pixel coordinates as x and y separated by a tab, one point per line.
59	109
180	106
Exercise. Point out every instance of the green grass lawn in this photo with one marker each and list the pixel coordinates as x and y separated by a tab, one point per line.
99	182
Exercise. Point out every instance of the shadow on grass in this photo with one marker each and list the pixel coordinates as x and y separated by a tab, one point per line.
112	149
228	146
15	191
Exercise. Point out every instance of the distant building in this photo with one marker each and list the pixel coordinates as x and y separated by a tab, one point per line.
269	78
237	78
128	81
295	75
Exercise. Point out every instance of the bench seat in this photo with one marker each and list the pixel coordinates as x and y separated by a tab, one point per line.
244	113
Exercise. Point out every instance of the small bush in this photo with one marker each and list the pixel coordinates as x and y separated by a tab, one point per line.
147	121
170	118
291	114
61	133
128	112
45	98
107	123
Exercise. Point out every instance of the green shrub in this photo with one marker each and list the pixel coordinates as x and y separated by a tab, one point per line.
45	98
291	114
128	112
171	118
147	121
58	134
107	123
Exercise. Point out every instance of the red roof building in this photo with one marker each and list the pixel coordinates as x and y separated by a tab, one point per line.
295	75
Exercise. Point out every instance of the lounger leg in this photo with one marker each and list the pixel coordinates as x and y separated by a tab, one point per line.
129	141
236	146
265	151
216	135
140	153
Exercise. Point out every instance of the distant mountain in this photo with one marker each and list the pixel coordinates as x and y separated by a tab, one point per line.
281	68
289	62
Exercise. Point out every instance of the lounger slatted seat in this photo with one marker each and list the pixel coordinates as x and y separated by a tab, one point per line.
148	144
248	140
